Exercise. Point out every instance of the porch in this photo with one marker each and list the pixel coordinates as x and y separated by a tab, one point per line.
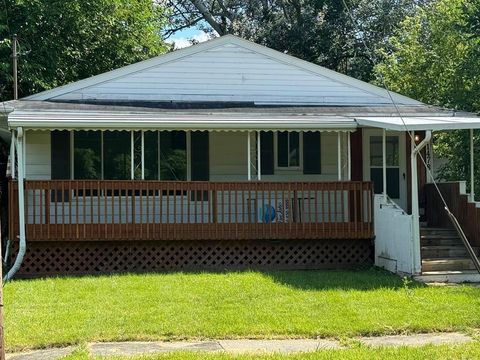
141	210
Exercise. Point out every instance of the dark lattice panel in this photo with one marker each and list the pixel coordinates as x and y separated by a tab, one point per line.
60	258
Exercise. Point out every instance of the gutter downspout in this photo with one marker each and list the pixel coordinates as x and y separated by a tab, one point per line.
21	208
416	256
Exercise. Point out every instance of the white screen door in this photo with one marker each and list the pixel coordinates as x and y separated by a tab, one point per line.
396	163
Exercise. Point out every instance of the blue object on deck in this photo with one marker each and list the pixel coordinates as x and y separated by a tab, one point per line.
268	213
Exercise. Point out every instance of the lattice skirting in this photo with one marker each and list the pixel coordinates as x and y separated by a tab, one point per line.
77	258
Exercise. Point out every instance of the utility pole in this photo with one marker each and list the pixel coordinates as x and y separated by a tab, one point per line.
15	77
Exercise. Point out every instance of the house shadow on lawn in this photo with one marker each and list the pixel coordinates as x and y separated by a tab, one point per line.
359	279
365	278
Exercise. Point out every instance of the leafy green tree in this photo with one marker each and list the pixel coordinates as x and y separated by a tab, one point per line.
61	41
320	31
435	57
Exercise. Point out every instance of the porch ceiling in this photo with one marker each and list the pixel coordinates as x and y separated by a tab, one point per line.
420	123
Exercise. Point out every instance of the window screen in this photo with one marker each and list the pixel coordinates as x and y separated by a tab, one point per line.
288	149
117	154
87	155
173	155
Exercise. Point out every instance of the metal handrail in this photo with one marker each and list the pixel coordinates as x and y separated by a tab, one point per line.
465	241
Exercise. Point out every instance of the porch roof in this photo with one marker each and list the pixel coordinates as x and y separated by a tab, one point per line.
396	123
228	117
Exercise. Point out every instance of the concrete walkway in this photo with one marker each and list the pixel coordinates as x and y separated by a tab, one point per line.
286	346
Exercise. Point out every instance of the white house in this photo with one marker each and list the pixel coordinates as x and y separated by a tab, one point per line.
223	155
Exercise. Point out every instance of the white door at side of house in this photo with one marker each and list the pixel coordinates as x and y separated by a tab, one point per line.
396	163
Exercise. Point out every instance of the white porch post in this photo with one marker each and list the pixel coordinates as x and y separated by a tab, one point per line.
102	157
158	156
21	205
143	155
384	164
72	154
416	264
189	155
259	169
472	168
12	156
349	157
24	151
132	156
416	256
339	157
249	155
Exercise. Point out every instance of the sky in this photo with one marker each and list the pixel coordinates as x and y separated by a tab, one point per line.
181	38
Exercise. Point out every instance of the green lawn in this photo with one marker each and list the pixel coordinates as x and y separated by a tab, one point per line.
464	352
41	313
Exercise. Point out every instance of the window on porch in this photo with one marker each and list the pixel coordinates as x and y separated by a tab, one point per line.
288	149
108	155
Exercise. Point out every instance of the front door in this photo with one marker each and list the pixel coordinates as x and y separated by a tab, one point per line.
396	163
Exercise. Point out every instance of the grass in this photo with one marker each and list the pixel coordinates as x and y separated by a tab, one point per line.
464	352
341	304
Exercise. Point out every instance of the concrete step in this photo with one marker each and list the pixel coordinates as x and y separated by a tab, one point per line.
444	251
447	264
454	277
438	231
440	241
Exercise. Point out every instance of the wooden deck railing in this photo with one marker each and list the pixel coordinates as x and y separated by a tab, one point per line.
158	210
467	213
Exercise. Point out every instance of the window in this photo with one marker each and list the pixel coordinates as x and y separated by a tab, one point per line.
151	155
288	149
173	155
393	169
87	156
376	151
116	155
108	155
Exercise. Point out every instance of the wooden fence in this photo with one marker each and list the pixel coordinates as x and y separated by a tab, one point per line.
88	210
467	213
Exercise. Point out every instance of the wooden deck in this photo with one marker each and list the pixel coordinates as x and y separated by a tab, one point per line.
86	210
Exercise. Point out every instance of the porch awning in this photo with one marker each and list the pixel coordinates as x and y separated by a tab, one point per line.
82	120
304	119
437	123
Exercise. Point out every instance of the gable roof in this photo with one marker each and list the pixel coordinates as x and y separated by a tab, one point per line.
225	69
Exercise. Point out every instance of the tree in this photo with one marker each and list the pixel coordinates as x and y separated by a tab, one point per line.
62	41
434	57
320	31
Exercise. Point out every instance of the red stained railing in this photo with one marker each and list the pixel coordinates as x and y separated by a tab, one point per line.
90	210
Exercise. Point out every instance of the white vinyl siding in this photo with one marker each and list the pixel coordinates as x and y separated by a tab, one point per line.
228	159
228	156
37	155
227	73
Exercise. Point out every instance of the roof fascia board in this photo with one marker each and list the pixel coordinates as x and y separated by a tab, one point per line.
453	125
226	125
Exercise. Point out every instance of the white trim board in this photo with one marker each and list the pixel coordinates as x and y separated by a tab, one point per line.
420	123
